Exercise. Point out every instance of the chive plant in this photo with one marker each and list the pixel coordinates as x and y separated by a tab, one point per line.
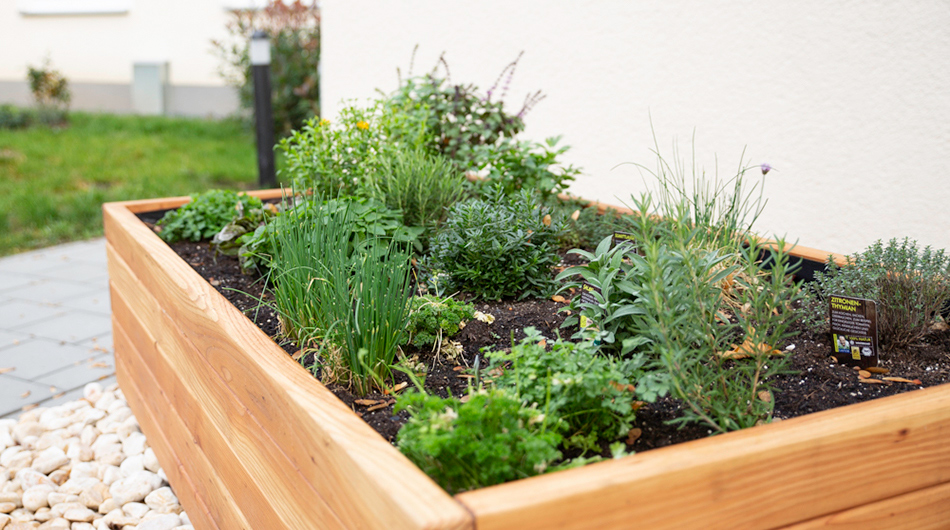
348	304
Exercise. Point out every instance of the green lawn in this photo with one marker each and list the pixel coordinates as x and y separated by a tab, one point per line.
53	181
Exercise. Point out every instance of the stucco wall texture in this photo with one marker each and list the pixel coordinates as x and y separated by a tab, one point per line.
848	99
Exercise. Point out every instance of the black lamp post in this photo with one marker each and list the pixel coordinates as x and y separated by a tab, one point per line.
263	116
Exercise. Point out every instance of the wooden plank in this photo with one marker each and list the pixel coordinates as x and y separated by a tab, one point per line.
197	486
926	509
166	203
769	476
358	472
242	453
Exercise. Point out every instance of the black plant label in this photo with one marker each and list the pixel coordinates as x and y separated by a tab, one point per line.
587	297
853	330
623	238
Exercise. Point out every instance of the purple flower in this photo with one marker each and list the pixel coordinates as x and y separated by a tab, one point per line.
766	168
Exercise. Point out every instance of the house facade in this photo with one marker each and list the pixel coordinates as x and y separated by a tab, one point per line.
145	56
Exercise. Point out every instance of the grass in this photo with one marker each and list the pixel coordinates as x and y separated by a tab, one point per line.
55	180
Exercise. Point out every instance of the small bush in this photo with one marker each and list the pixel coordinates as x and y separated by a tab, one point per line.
431	319
420	185
910	285
14	118
490	439
51	93
341	159
294	30
498	246
592	394
478	134
205	215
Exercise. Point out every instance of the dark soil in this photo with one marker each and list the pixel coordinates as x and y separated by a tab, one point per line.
818	383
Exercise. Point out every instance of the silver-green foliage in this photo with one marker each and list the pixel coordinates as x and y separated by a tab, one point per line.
667	302
910	284
350	302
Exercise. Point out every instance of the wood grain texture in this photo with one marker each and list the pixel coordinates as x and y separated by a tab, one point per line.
764	477
165	203
250	398
247	460
188	470
926	509
365	480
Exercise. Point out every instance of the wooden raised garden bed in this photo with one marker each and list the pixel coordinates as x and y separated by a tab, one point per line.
249	439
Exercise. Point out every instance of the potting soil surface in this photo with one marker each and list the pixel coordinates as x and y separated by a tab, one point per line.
816	382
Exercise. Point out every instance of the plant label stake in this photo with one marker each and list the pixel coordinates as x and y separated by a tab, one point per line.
853	330
587	297
623	238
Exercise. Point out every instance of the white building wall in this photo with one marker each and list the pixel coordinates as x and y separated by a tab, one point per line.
848	99
101	48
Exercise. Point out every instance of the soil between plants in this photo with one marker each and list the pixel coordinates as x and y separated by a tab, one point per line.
816	383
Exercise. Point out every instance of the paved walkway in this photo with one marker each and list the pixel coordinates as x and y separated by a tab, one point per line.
55	325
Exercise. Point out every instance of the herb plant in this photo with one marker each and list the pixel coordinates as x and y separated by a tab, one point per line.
371	224
340	159
490	439
420	185
432	319
205	215
910	284
349	304
590	393
498	246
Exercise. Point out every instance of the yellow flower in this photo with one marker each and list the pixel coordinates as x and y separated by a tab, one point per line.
362	125
324	121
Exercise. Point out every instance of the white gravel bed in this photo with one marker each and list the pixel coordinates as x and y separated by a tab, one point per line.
83	465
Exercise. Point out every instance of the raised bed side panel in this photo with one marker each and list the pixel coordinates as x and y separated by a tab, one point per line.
926	509
258	419
771	476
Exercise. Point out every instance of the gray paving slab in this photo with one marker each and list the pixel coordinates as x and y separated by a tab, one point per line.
50	291
15	393
97	368
100	344
16	313
77	272
9	339
13	280
94	302
35	358
71	327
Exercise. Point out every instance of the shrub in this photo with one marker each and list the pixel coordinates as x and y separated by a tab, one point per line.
205	215
498	246
478	134
668	302
487	440
350	304
431	319
591	394
340	159
14	118
910	284
420	185
51	92
294	31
